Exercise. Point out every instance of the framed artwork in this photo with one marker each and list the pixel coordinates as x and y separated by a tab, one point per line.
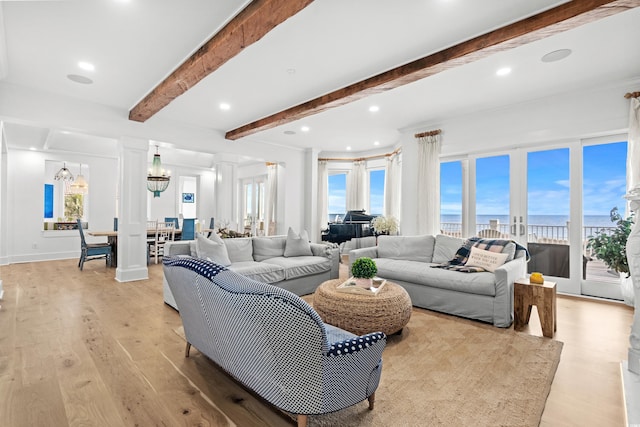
188	198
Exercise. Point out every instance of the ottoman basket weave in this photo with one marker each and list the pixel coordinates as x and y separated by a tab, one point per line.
387	312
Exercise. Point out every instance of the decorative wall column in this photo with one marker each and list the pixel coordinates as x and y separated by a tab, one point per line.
633	255
132	210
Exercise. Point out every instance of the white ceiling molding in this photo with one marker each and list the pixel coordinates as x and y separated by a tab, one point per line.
4	62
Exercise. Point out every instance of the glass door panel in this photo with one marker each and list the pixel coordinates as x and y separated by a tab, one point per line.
451	198
492	197
603	189
548	209
253	205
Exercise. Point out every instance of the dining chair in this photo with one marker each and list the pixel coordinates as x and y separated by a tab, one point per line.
165	232
188	229
211	224
91	251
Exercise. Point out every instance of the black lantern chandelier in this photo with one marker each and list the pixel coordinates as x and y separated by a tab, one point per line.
157	179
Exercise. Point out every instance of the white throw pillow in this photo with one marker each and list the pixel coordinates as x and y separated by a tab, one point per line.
212	250
297	245
485	259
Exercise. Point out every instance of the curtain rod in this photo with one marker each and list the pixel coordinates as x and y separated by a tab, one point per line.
429	133
377	156
632	95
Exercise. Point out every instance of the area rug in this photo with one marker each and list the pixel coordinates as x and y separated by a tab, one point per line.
448	371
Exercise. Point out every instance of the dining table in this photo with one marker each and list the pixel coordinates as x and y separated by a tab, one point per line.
112	238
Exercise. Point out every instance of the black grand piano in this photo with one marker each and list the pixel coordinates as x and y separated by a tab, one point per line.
355	224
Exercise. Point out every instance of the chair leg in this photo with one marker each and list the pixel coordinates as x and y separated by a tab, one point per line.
372	400
302	420
187	349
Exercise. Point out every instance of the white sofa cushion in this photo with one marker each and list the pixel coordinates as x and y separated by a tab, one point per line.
411	248
240	249
260	271
268	247
485	259
301	266
445	248
483	283
212	250
297	244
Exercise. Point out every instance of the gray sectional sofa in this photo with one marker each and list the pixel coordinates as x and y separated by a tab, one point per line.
276	260
408	261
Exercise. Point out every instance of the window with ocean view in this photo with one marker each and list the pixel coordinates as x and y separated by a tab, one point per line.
376	192
337	196
451	198
603	188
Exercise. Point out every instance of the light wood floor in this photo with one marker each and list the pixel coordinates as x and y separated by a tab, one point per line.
79	348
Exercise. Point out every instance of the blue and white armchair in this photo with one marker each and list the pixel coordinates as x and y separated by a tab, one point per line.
272	341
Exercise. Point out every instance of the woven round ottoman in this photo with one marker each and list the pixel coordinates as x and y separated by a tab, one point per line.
388	312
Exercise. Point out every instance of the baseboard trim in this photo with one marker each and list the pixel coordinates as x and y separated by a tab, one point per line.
631	390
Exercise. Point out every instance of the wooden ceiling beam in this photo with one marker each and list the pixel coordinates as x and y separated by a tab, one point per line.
553	21
249	26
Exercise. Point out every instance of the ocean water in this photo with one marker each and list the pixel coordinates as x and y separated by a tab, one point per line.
557	220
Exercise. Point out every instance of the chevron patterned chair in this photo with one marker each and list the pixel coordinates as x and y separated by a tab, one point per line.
272	341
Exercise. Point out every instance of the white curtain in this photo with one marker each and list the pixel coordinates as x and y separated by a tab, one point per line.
429	184
356	192
392	186
323	194
271	197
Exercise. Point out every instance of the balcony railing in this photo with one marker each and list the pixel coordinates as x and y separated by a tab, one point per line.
536	233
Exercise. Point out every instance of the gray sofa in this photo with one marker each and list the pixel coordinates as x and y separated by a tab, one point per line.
267	260
408	261
272	341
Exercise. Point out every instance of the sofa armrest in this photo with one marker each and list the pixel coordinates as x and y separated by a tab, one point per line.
178	247
356	344
356	364
370	252
506	275
328	251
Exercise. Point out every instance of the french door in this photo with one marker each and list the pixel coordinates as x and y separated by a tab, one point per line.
551	200
253	198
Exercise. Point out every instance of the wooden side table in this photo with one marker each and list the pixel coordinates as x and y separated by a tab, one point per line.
526	294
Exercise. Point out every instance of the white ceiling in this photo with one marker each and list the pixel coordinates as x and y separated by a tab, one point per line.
331	43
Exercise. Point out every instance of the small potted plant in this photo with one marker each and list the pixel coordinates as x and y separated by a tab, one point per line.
363	271
385	225
611	248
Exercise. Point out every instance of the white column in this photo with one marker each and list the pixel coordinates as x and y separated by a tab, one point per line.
132	210
226	191
4	206
633	255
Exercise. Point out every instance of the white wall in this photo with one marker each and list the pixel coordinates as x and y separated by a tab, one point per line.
25	237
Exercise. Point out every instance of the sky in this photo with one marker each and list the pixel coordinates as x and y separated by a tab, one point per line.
604	182
338	193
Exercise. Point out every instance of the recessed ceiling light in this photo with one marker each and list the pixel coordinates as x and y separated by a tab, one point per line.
291	70
79	79
349	148
376	142
87	66
289	132
32	148
374	108
503	71
304	128
556	55
224	106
